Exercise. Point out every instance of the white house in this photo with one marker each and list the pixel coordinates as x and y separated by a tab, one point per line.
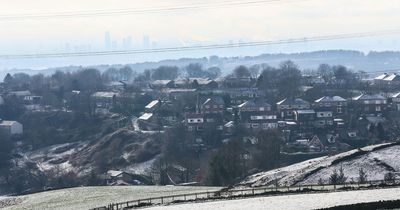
11	127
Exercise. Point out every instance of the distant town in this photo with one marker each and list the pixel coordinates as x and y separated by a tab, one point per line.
205	127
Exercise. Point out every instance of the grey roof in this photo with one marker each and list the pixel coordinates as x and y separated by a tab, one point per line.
8	123
297	101
381	77
369	97
254	103
104	94
330	99
308	111
216	99
161	82
392	77
152	104
146	116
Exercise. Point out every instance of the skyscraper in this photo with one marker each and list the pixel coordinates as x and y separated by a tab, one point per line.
146	41
107	40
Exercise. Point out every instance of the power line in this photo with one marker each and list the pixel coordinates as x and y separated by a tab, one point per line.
133	11
205	47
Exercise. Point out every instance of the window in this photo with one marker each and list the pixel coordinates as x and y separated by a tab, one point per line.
378	108
339	110
207	106
215	106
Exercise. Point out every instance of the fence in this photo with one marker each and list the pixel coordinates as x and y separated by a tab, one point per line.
221	194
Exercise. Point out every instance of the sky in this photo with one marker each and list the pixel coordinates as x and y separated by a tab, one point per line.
284	19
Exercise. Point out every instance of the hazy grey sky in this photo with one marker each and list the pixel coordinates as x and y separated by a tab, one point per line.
267	21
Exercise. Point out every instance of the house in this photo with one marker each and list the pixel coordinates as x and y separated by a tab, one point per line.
152	106
236	82
33	102
396	101
241	95
387	80
287	107
305	118
310	80
324	117
122	178
203	83
257	115
104	101
148	121
20	94
214	105
198	122
11	128
369	103
336	104
160	84
316	145
116	86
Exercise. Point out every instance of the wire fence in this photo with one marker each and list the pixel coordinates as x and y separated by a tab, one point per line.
247	192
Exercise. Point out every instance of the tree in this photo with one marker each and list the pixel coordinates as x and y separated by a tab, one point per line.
381	132
214	72
289	79
325	71
5	153
241	72
390	177
255	70
8	79
268	149
227	165
165	73
337	177
195	70
362	176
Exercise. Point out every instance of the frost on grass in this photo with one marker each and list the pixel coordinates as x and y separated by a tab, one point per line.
376	161
90	197
293	202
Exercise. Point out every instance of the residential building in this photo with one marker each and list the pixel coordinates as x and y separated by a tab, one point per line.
104	101
11	127
336	104
160	84
215	104
287	107
257	115
370	103
198	122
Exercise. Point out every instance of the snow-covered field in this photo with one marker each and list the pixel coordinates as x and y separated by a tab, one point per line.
376	161
90	197
293	202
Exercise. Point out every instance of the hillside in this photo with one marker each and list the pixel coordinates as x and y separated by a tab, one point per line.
83	198
293	202
375	160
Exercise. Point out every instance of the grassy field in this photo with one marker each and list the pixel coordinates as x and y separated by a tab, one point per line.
90	197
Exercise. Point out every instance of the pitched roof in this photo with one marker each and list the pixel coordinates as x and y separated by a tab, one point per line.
152	104
381	77
392	77
146	116
7	123
104	94
254	103
297	101
216	99
161	82
330	99
369	97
